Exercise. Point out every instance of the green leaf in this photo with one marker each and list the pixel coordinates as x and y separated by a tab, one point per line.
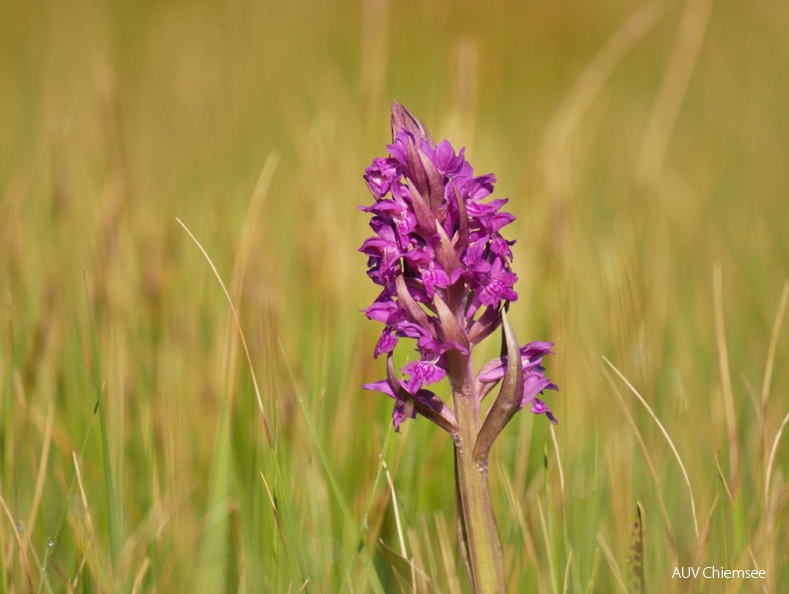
403	567
508	400
112	508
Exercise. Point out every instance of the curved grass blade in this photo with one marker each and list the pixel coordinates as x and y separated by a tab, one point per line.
404	568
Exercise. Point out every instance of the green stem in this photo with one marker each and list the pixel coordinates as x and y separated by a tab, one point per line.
480	535
112	509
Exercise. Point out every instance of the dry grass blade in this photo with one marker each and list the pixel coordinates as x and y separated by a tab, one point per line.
42	471
405	568
728	397
768	475
557	142
240	333
417	560
139	576
447	556
567	571
88	519
429	548
768	369
558	461
396	511
276	513
366	518
668	438
245	243
705	533
549	544
612	564
251	217
673	87
723	480
22	551
517	507
593	576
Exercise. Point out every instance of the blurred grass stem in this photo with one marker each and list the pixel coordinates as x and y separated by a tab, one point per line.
112	510
240	333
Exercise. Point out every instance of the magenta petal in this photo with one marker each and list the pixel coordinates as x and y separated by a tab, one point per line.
540	408
386	344
533	384
423	373
381	386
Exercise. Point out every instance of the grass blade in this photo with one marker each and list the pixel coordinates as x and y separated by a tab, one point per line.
650	466
49	553
22	551
404	567
340	498
263	416
668	439
612	564
211	576
112	510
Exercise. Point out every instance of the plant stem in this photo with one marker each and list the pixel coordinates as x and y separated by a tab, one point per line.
479	533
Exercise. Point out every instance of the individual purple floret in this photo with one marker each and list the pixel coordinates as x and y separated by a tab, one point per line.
444	270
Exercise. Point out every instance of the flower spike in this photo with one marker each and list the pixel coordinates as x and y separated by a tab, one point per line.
438	253
445	272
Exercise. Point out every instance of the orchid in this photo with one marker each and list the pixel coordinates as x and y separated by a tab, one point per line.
438	248
446	281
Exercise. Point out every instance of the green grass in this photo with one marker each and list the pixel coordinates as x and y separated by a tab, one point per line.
644	154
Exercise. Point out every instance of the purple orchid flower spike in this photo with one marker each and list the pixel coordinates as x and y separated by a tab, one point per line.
437	245
445	274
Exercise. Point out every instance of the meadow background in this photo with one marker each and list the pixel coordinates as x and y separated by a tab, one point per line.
644	151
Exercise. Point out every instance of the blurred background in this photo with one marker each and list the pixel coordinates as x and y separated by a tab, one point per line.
643	148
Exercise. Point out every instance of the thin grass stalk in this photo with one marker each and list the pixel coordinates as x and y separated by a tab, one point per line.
650	466
728	395
768	368
262	410
49	553
41	477
612	564
398	523
112	510
139	576
568	565
431	559
447	558
22	551
593	575
768	510
88	520
670	443
528	540
548	538
323	457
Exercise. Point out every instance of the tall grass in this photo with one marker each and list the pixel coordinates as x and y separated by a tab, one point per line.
644	152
